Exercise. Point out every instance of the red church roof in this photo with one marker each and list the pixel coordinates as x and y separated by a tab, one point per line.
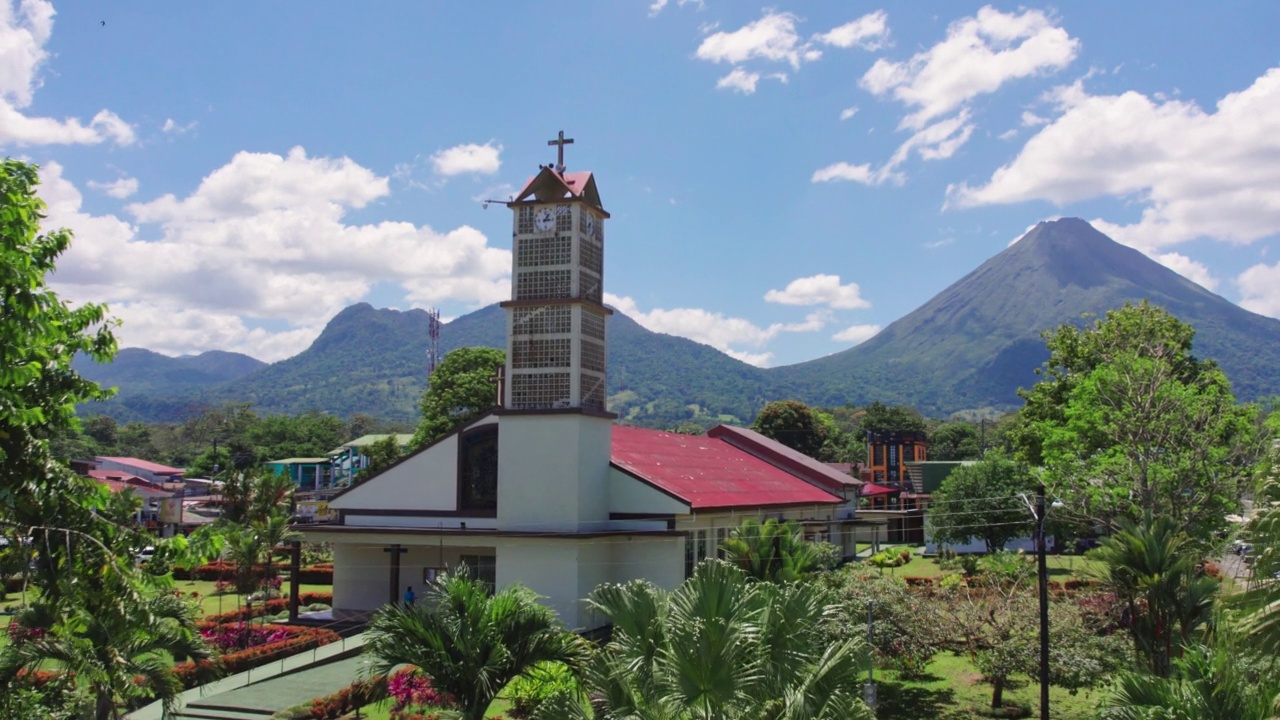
793	461
708	472
151	467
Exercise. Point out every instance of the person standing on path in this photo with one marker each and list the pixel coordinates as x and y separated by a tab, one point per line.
408	596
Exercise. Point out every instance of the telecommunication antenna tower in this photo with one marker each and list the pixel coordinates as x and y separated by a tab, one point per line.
433	341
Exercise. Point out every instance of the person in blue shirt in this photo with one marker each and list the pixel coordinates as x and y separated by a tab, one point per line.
408	596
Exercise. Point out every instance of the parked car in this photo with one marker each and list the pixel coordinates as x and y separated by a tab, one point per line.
145	556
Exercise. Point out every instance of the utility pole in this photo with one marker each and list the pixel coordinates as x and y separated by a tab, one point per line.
1043	572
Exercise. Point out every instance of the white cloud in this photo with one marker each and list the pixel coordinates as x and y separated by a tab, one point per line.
773	37
468	158
1260	289
844	171
657	5
819	290
261	240
1030	119
122	188
856	333
870	32
848	112
726	334
740	80
173	127
1195	173
979	54
1194	270
24	31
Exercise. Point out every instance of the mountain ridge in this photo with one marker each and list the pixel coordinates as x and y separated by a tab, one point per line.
969	347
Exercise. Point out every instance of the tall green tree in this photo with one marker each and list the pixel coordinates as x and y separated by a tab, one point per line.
1127	422
955	441
983	501
470	643
459	391
719	647
793	424
880	418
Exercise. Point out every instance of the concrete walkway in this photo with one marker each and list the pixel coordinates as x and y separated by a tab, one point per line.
259	693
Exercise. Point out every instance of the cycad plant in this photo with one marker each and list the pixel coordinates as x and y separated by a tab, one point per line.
470	643
719	647
771	550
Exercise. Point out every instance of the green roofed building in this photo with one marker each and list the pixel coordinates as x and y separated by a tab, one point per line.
306	473
348	458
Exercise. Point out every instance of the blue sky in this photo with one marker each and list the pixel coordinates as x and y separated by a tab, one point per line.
783	180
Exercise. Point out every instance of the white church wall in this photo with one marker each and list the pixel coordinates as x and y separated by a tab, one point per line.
547	567
552	472
629	495
659	560
427	481
360	577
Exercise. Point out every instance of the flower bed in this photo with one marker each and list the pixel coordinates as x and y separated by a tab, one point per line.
270	607
293	639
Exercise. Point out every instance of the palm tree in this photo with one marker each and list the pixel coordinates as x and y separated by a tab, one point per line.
771	551
1206	683
1260	602
272	532
121	649
470	644
719	646
1151	568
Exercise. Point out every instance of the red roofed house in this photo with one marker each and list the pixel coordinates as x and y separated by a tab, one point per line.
545	490
149	471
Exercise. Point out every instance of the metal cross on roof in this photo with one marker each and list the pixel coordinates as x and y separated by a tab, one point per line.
560	143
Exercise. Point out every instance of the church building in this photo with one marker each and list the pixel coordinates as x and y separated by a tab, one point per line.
545	490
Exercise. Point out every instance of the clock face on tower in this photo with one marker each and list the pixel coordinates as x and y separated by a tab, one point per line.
544	220
591	225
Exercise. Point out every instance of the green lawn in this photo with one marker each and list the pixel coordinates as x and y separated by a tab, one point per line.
1061	567
953	690
211	603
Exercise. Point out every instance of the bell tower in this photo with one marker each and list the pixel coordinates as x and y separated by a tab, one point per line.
556	347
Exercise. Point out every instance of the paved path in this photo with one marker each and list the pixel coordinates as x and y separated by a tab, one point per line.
280	693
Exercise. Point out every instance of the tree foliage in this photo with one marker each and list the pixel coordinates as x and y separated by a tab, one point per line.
983	501
470	644
1127	422
957	440
771	551
907	628
793	424
719	646
880	418
460	390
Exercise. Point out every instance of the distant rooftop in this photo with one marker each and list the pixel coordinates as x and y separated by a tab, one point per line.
147	465
299	461
366	440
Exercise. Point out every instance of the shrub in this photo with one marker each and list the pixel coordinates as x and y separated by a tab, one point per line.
544	682
296	639
885	559
270	607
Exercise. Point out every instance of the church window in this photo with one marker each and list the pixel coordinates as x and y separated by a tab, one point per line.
702	545
592	325
543	320
530	391
877	454
483	568
592	391
478	470
591	257
592	355
524	219
542	284
688	557
554	250
588	286
721	535
551	352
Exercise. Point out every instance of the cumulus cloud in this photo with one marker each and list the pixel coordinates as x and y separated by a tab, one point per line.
24	31
869	32
726	334
844	171
739	80
978	56
1196	174
468	158
122	188
856	333
848	112
819	290
173	127
657	5
773	37
261	241
1260	289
